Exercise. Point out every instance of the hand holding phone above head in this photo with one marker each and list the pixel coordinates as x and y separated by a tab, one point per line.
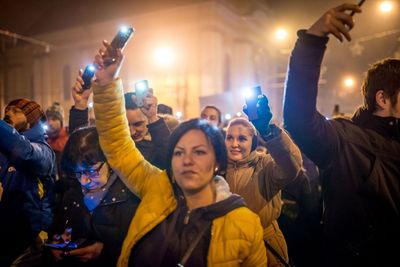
119	42
79	95
335	21
258	111
106	74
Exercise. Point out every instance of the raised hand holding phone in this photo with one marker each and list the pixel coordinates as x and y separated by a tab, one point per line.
119	42
106	74
109	58
335	21
258	110
80	95
141	91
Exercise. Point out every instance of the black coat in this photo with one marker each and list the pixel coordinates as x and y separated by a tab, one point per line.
108	222
359	161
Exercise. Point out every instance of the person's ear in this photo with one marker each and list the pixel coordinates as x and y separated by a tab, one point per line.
382	102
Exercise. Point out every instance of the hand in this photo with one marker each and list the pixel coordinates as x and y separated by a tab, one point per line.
80	96
108	62
149	108
88	253
57	239
335	21
264	115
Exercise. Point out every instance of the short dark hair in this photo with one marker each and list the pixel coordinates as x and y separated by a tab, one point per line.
216	109
164	109
129	100
382	75
82	148
213	135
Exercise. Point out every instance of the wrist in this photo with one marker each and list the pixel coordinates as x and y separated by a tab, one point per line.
105	81
81	105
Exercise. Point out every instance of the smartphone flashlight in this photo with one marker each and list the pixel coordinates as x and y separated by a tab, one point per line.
87	76
141	85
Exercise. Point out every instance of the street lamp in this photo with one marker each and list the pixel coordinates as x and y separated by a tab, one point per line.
164	56
386	6
348	82
281	34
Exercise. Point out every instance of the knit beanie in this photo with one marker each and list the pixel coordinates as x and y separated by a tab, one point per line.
32	110
56	111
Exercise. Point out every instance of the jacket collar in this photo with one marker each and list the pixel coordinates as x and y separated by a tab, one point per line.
388	127
248	161
36	133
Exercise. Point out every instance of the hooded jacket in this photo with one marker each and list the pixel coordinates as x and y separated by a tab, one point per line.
236	237
27	173
260	177
359	161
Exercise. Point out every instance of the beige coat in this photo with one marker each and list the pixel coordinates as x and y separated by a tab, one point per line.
259	179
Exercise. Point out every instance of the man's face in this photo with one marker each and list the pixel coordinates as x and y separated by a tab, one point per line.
211	115
394	110
16	118
54	126
137	124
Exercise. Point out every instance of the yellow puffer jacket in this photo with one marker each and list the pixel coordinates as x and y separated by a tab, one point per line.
236	238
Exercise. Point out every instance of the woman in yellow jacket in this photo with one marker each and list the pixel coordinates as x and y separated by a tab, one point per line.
187	214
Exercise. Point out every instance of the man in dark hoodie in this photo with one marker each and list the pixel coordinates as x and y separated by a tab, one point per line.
27	173
149	131
359	158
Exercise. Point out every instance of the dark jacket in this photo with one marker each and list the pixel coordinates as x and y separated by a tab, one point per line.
154	151
359	161
27	172
107	223
180	229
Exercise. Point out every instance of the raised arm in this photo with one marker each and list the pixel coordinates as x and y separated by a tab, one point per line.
284	161
310	130
37	157
79	112
112	125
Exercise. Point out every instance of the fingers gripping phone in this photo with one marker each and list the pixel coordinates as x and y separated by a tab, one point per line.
119	42
87	76
141	91
251	102
359	5
122	37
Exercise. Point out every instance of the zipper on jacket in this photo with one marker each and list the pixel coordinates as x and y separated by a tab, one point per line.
187	217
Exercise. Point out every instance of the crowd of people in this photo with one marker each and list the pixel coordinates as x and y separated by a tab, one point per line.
137	187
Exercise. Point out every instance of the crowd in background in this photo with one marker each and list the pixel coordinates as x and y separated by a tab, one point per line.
138	187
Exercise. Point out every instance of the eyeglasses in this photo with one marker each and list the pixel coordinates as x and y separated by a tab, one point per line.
90	172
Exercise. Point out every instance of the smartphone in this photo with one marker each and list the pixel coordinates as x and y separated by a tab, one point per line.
359	4
122	37
251	102
141	91
119	42
87	76
81	242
